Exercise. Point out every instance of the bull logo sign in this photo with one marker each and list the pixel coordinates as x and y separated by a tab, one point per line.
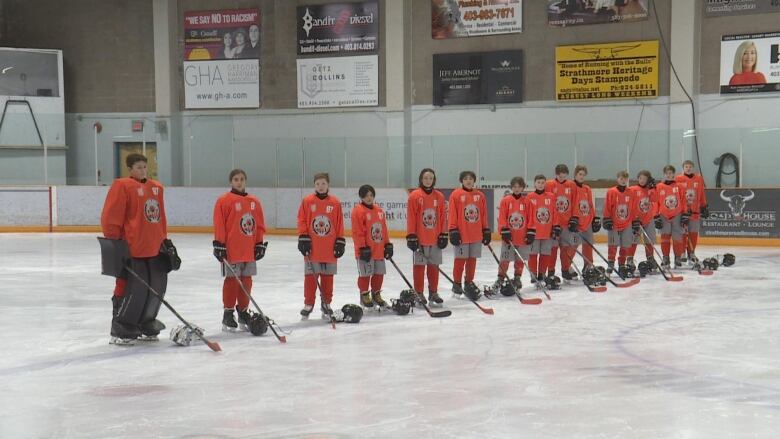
737	203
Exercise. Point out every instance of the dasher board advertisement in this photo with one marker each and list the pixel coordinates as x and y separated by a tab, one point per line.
750	63
473	18
347	81
338	28
222	84
742	213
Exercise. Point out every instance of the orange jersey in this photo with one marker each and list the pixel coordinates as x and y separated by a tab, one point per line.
426	215
645	203
565	198
323	221
693	187
543	212
369	229
135	211
239	224
515	214
619	205
468	214
671	201
584	208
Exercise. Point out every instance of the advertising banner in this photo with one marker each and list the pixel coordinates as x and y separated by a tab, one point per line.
718	8
624	70
742	213
478	78
222	84
471	18
222	34
338	28
348	81
750	63
577	12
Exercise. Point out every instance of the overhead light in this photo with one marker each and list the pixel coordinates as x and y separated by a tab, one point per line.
765	130
689	133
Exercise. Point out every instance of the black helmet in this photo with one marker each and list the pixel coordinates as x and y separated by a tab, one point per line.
401	307
728	260
352	313
257	324
710	264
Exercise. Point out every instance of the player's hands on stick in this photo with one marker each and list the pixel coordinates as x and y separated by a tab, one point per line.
506	235
339	247
220	251
304	244
412	242
486	236
595	226
260	249
455	237
441	242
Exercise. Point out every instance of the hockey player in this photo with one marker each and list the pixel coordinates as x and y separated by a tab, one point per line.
239	227
621	222
321	242
673	217
693	185
564	191
469	230
546	230
372	247
426	228
646	208
587	222
517	232
134	211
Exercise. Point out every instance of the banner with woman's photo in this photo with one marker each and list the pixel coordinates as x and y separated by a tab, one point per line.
577	12
222	34
750	63
471	18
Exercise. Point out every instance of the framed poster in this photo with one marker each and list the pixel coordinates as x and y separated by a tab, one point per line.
750	63
346	81
338	28
478	78
473	18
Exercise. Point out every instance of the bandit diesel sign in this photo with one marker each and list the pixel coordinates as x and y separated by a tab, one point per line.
625	70
338	28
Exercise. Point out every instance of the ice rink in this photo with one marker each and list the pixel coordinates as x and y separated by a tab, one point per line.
695	359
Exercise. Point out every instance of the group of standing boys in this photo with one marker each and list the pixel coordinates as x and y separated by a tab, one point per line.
554	219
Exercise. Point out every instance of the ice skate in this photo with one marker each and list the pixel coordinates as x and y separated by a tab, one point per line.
307	309
517	282
121	341
366	301
471	290
376	297
434	298
665	263
150	330
229	321
420	299
243	319
553	282
677	262
327	311
457	291
569	276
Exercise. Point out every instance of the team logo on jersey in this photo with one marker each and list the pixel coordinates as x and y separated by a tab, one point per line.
252	205
471	213
622	211
321	225
562	204
690	195
429	218
152	210
584	207
140	192
670	202
247	224
516	221
644	205
543	215
376	233
156	191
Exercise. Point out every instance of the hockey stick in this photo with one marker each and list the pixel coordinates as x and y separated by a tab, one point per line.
481	308
445	313
534	301
270	322
626	284
322	299
696	263
671	277
530	272
214	346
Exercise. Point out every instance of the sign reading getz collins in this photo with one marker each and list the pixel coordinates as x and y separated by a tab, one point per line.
349	81
623	70
222	84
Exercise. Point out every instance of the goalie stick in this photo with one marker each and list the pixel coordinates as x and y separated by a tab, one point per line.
270	322
445	313
214	346
534	301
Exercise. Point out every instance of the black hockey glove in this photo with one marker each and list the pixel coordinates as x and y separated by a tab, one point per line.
388	250
659	223
607	223
260	248
412	242
651	183
595	226
169	250
304	244
556	231
705	212
441	242
574	224
220	252
530	236
365	254
455	237
339	247
506	235
486	236
685	219
635	226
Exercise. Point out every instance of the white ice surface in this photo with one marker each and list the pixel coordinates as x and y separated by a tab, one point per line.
696	359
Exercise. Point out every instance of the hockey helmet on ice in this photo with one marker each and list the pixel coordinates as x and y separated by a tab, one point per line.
182	335
507	289
352	313
644	268
408	296
401	307
710	264
257	324
728	260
